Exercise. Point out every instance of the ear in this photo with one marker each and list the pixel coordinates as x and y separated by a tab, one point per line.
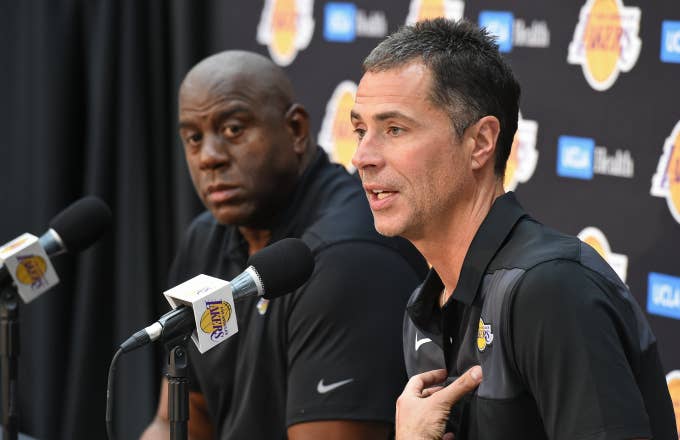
484	133
297	121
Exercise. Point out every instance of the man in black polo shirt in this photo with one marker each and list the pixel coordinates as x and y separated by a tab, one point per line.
565	350
320	361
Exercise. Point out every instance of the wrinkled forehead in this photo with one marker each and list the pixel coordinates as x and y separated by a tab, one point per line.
408	85
203	88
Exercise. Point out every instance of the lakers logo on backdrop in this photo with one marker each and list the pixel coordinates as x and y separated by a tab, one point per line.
673	381
214	319
337	134
286	27
666	180
596	239
606	41
523	155
484	335
424	9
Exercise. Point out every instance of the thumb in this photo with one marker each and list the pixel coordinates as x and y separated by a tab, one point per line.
417	383
461	386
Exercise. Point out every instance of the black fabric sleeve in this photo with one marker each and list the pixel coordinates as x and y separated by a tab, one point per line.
572	347
344	335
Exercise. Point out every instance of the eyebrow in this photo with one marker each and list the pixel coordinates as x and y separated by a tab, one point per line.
384	116
220	116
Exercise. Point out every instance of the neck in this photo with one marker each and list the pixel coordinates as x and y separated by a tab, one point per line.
256	238
447	243
306	158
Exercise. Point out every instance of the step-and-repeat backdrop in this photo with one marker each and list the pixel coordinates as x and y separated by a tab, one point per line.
597	152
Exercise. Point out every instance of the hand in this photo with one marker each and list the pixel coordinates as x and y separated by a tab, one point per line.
422	409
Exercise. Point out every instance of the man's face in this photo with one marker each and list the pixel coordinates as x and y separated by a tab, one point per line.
238	148
413	167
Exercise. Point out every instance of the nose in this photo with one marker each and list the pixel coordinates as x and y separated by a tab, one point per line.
214	154
367	156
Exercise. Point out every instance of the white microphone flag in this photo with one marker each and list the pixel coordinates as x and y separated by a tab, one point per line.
212	302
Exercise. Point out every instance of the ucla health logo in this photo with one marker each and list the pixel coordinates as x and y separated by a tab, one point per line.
499	24
666	180
663	295
670	41
596	239
605	41
523	154
337	134
575	157
343	22
339	22
286	27
510	31
580	158
426	9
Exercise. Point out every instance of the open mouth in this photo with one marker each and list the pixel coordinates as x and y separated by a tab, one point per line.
380	194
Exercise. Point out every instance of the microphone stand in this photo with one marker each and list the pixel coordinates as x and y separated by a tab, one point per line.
9	354
178	387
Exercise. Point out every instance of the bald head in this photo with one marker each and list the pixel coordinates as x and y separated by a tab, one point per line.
218	73
245	140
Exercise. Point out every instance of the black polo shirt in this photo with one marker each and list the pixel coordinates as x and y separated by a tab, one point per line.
331	349
565	349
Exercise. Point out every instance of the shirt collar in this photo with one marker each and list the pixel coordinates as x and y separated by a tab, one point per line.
501	219
504	214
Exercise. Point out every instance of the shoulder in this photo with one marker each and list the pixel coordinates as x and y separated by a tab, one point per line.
340	219
559	283
565	297
531	243
366	262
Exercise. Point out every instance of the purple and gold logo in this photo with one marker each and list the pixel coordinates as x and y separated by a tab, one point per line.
673	381
427	9
286	27
666	180
31	271
484	335
606	41
597	240
214	319
521	163
337	134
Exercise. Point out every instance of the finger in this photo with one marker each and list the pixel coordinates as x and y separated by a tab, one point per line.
417	383
427	392
461	386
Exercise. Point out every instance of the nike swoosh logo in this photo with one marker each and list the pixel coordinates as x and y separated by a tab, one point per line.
420	342
321	388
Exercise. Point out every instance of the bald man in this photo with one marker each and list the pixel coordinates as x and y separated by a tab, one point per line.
324	361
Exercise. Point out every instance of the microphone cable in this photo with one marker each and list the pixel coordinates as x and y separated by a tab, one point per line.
109	395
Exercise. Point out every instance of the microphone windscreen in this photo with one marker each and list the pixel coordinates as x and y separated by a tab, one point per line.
283	266
82	223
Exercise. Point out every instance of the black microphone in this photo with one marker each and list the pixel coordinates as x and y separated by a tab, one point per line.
272	272
74	229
